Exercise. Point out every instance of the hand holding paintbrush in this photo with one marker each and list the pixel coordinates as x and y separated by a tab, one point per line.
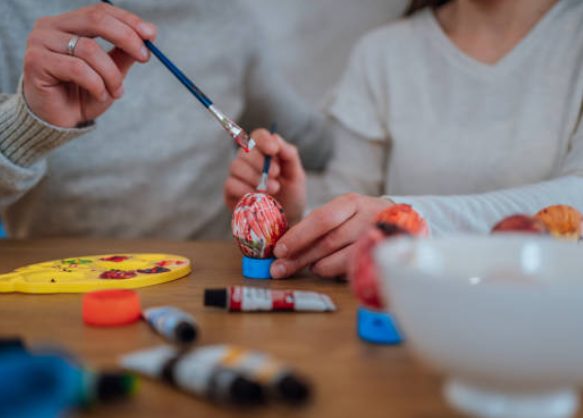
69	80
286	179
237	133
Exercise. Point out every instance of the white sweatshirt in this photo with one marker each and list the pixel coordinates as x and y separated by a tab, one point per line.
465	143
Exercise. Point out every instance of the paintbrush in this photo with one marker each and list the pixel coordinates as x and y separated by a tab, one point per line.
262	187
237	133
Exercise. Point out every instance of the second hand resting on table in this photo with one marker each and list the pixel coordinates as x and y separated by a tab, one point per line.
324	238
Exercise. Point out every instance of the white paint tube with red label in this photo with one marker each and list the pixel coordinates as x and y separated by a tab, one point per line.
255	299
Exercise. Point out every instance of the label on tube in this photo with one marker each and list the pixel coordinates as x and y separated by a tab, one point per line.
255	299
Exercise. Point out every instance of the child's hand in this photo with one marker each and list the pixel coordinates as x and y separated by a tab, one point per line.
325	238
287	179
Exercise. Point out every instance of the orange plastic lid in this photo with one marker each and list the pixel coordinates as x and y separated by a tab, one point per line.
110	308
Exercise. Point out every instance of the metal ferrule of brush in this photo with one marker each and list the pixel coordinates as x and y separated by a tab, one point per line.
262	187
234	130
227	123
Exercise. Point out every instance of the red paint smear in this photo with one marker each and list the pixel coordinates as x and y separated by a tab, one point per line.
118	274
167	263
115	258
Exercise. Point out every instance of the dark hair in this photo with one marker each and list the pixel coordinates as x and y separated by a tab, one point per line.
416	5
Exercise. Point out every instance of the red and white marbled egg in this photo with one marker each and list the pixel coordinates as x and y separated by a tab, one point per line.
258	223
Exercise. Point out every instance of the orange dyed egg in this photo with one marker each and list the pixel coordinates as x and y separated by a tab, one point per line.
562	221
404	217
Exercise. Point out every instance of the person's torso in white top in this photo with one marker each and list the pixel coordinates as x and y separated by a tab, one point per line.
456	125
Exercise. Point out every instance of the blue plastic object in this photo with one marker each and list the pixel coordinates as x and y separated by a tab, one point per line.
37	386
257	268
377	327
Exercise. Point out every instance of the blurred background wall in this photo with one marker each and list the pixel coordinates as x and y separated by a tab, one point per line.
312	39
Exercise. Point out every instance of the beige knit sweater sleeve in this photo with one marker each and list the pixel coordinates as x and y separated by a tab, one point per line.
25	140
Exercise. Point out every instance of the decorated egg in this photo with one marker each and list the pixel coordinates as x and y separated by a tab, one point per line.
562	221
258	223
362	270
404	217
520	224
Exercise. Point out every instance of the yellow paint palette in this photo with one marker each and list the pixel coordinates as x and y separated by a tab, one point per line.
84	274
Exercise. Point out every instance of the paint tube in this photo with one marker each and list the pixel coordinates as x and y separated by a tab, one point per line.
198	372
172	323
251	299
279	380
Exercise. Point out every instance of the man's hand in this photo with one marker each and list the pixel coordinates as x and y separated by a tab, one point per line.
66	88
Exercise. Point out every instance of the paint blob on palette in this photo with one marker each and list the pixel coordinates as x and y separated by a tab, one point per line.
84	274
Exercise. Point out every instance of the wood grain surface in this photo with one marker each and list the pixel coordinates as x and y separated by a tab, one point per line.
350	378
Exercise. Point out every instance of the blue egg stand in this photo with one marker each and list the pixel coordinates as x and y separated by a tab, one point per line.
377	327
257	268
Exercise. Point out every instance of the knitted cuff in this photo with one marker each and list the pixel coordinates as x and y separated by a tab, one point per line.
24	137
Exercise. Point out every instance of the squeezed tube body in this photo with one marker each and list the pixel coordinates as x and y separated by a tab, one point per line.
255	299
172	323
221	372
198	372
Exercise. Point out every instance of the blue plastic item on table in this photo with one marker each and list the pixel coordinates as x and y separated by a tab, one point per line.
37	386
377	327
257	268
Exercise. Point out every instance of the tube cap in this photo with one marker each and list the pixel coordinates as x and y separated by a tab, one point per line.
245	392
216	297
293	389
257	268
110	308
12	344
115	386
185	332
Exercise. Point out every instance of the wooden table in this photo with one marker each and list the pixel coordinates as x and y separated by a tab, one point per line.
351	378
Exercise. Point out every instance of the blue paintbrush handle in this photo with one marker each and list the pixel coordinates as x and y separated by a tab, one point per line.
186	82
262	187
179	75
267	161
266	164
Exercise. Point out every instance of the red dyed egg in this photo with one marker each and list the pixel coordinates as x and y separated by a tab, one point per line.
362	270
521	224
258	223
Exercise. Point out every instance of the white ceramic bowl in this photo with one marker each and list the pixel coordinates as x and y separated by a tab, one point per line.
501	316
